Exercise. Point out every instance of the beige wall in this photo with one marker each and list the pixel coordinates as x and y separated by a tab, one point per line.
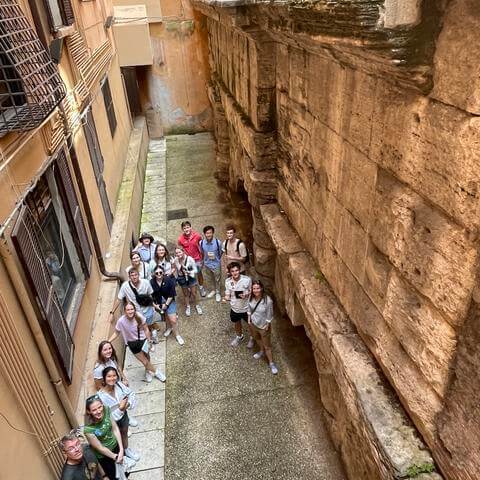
175	85
19	167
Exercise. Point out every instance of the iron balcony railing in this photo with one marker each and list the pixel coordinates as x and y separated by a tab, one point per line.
30	85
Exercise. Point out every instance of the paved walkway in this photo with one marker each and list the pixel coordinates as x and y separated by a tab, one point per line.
227	416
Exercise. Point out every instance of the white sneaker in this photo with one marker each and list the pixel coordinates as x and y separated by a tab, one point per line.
160	375
211	294
167	332
180	340
251	343
132	454
199	309
236	341
273	368
148	377
218	297
129	463
258	355
201	288
188	311
132	421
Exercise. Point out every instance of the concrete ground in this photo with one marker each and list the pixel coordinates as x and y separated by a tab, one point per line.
227	416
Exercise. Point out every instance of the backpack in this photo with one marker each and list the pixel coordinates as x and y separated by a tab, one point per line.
247	258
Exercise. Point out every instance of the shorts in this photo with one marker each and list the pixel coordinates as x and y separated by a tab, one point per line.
124	422
237	317
172	308
185	283
148	314
136	346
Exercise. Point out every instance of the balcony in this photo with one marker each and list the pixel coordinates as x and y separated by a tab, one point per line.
30	85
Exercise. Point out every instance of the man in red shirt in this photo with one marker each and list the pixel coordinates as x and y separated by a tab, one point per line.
190	241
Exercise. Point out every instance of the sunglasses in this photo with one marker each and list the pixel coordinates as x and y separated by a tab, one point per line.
91	399
158	272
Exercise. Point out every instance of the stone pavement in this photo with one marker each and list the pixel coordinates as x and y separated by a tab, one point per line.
148	437
227	416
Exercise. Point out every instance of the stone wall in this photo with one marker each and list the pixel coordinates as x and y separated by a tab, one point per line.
364	138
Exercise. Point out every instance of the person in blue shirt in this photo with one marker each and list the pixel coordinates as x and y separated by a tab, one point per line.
146	247
211	249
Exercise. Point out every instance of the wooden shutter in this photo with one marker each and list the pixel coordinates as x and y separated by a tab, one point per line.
97	162
72	209
109	107
66	12
25	237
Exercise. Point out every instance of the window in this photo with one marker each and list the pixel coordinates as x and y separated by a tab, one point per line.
52	246
30	86
60	13
109	107
97	163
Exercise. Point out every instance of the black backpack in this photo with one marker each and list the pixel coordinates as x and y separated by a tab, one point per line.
247	260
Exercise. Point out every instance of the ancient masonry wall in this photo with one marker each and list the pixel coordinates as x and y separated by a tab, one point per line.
361	161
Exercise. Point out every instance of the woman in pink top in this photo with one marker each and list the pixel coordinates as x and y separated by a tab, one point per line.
134	330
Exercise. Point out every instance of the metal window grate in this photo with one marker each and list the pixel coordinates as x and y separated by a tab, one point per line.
30	86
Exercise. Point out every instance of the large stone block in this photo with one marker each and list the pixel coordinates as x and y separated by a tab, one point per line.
431	147
346	235
376	275
433	253
416	394
422	330
457	70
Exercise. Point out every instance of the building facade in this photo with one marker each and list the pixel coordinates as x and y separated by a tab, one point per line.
65	128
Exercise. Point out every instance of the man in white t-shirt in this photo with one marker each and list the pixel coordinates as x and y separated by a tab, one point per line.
237	293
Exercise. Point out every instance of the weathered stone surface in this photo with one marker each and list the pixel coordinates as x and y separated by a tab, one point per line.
379	182
433	253
457	70
264	261
422	330
430	146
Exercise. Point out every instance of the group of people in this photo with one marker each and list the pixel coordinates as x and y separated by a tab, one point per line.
149	293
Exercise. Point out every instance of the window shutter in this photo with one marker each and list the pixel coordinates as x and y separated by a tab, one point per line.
68	10
73	210
25	237
109	107
65	10
97	162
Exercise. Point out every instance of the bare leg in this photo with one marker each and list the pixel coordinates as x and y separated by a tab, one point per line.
193	295
124	435
238	328
172	321
186	294
200	277
145	361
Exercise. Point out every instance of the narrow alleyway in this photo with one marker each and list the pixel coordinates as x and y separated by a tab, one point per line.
227	416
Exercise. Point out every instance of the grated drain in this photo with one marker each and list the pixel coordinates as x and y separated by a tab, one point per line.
176	214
